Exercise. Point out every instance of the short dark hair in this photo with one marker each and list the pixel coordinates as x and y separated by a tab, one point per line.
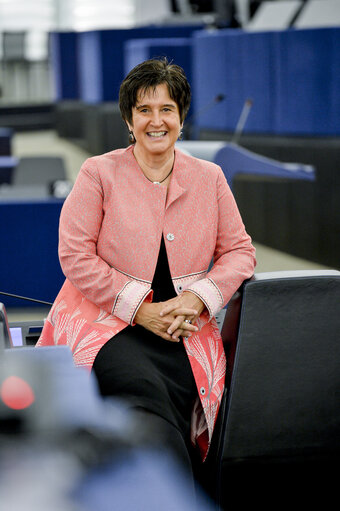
150	74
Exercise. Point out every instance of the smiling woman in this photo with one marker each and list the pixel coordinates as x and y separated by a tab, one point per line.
137	234
156	126
154	100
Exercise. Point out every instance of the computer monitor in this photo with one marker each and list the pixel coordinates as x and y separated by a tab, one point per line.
25	333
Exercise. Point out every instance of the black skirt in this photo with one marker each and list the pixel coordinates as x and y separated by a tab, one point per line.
146	370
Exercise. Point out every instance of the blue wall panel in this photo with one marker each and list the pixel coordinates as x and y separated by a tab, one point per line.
292	76
108	52
64	63
241	66
216	71
259	79
89	59
308	96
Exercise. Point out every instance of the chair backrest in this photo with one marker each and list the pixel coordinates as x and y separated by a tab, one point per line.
284	394
280	414
38	170
13	46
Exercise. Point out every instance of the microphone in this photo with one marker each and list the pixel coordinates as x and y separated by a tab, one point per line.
25	298
242	120
217	99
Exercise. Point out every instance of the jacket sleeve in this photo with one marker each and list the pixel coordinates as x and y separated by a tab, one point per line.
80	223
234	256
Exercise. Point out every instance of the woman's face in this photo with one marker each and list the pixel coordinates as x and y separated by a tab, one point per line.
155	121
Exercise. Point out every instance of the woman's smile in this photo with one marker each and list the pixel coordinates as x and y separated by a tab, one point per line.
157	134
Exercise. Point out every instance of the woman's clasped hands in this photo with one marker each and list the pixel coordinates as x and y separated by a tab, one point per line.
173	318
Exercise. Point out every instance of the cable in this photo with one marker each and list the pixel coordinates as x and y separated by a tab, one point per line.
25	298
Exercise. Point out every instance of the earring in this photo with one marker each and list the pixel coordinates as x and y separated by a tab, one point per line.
132	137
180	136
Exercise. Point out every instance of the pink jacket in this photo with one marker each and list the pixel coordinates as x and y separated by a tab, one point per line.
110	231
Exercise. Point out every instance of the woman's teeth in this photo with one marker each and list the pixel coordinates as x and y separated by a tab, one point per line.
157	133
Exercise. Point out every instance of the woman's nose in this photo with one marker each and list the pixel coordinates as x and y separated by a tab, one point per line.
156	118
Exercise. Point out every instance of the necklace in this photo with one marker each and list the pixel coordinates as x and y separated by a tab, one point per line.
159	182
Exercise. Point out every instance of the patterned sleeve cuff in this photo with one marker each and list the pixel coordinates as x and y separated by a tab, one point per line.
129	299
209	293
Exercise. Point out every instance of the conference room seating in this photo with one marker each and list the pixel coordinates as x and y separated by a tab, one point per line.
69	119
38	170
35	177
103	128
279	424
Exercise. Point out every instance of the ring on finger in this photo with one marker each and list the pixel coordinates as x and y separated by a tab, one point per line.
187	321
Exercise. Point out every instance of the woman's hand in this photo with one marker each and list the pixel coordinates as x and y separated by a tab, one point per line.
177	308
149	316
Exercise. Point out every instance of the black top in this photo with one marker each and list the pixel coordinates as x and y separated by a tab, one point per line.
145	369
162	284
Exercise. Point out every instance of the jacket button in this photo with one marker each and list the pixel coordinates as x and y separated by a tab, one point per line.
202	391
179	289
170	236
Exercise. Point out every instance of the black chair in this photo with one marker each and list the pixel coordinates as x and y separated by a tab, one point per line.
6	135
104	129
39	170
278	435
69	119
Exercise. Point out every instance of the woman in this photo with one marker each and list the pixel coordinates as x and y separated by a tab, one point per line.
137	235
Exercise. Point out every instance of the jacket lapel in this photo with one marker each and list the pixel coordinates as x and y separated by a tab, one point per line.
175	188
